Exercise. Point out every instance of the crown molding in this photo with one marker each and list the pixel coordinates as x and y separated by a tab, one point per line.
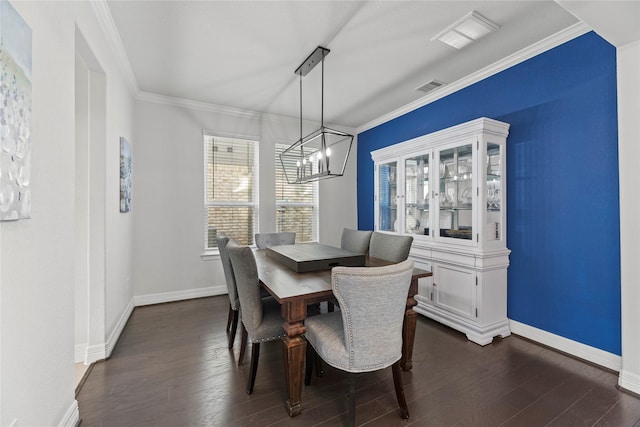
196	105
102	12
535	49
230	111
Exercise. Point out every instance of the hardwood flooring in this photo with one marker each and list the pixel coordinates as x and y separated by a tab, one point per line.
172	367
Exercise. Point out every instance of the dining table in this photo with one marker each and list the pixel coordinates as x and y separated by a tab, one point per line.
295	291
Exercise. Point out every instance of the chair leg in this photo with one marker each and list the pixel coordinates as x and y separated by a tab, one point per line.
397	382
229	317
243	344
319	366
234	327
255	355
310	356
352	400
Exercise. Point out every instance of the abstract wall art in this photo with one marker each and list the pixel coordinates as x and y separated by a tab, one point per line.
15	115
125	175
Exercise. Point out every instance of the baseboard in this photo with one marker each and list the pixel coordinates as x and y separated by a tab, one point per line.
71	418
629	381
117	330
93	353
102	351
141	300
574	348
80	351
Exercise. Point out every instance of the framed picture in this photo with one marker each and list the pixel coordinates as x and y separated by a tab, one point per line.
125	175
15	115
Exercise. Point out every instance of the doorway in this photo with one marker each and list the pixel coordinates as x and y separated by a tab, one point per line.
90	136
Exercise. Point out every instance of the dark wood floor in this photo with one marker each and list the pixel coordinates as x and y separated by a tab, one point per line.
172	367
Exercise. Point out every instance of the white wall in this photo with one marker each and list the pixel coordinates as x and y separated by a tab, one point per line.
338	203
168	194
37	267
628	155
82	200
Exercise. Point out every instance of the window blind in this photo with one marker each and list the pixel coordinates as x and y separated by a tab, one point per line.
230	203
296	204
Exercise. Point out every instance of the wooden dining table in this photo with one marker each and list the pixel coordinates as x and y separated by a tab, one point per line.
295	291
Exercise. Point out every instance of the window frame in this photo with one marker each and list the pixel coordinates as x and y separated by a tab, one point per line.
208	136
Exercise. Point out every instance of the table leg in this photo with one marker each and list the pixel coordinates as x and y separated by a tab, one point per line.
409	328
294	348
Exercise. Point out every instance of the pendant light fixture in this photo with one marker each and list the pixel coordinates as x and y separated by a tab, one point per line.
324	152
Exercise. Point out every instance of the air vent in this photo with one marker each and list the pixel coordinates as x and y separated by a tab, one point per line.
466	30
430	85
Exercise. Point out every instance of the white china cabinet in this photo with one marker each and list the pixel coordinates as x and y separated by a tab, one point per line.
448	190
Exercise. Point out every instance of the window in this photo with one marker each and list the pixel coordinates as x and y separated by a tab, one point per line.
296	204
230	200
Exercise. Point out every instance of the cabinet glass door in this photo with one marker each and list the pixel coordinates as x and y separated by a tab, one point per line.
416	203
456	192
494	192
387	197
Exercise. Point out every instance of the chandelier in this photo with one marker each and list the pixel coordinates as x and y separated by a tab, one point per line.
324	152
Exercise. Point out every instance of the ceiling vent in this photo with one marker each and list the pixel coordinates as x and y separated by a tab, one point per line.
470	28
430	85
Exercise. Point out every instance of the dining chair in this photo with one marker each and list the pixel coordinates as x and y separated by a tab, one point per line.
261	318
266	240
234	303
366	334
355	240
390	247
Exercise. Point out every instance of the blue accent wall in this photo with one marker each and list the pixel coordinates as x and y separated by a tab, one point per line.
563	224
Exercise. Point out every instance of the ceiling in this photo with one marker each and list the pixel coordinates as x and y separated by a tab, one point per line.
243	54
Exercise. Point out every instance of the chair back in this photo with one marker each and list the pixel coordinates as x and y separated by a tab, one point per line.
248	284
266	240
372	302
391	247
355	240
222	241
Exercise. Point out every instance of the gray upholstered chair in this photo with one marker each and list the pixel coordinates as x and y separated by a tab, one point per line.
366	335
391	247
355	240
261	318
265	240
234	303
